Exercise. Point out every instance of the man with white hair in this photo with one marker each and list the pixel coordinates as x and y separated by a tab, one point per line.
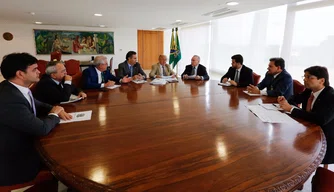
195	70
55	85
98	76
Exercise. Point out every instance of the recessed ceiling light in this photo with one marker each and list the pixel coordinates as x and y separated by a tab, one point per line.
102	26
307	2
178	21
32	13
232	3
98	14
38	22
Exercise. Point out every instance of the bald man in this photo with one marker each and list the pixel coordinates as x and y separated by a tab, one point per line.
161	69
195	70
98	76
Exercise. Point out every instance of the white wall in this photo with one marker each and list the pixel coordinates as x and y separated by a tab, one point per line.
125	40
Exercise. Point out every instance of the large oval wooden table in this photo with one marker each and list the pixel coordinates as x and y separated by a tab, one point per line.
186	136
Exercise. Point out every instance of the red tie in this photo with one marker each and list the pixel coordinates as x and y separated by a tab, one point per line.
309	102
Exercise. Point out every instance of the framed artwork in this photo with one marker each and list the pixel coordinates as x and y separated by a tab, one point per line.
72	42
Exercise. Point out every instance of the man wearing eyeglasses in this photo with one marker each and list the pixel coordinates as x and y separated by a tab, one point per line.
317	105
277	81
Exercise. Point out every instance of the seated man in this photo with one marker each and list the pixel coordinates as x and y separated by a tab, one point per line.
20	122
55	85
277	81
131	68
98	76
195	69
317	105
239	74
161	69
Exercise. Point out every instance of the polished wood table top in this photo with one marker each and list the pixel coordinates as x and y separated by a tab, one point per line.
186	136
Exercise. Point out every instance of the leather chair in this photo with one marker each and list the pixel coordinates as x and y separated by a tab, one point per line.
56	55
41	66
323	180
72	66
297	87
77	80
110	64
116	72
256	78
44	181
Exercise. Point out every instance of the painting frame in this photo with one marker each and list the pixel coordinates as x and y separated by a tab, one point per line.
74	42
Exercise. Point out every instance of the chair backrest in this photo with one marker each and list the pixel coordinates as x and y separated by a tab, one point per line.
297	87
41	66
72	66
32	87
116	72
56	55
256	78
322	181
110	64
77	80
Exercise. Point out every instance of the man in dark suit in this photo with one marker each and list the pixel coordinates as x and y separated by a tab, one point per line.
20	123
317	105
277	81
195	70
55	85
131	68
98	76
239	74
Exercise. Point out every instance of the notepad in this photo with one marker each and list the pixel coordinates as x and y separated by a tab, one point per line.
73	98
78	116
251	94
227	84
270	116
113	87
159	82
139	81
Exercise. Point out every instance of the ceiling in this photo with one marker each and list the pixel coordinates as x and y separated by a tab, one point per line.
140	14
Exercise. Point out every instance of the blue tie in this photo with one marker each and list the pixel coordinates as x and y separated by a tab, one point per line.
131	70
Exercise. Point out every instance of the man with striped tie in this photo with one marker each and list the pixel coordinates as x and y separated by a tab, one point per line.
317	105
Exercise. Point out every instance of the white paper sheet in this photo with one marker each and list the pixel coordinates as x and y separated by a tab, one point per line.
79	116
73	98
159	82
270	116
251	94
113	87
191	77
139	81
227	84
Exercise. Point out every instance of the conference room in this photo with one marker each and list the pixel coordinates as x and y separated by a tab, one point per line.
162	117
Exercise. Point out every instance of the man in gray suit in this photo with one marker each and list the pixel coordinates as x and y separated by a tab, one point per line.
20	123
131	68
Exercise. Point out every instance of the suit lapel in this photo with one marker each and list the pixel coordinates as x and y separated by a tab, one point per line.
19	94
319	99
159	71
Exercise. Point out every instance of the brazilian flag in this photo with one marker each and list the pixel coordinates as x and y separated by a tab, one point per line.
175	52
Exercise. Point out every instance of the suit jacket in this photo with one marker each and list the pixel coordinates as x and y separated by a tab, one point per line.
19	160
124	70
245	76
282	85
91	79
157	71
321	114
201	71
48	91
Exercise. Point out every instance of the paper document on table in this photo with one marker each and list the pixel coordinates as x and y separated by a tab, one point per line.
78	116
113	87
166	77
251	94
270	116
191	76
139	81
159	82
271	106
73	98
227	84
172	80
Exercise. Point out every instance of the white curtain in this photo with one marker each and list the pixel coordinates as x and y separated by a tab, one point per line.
194	40
312	41
257	36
